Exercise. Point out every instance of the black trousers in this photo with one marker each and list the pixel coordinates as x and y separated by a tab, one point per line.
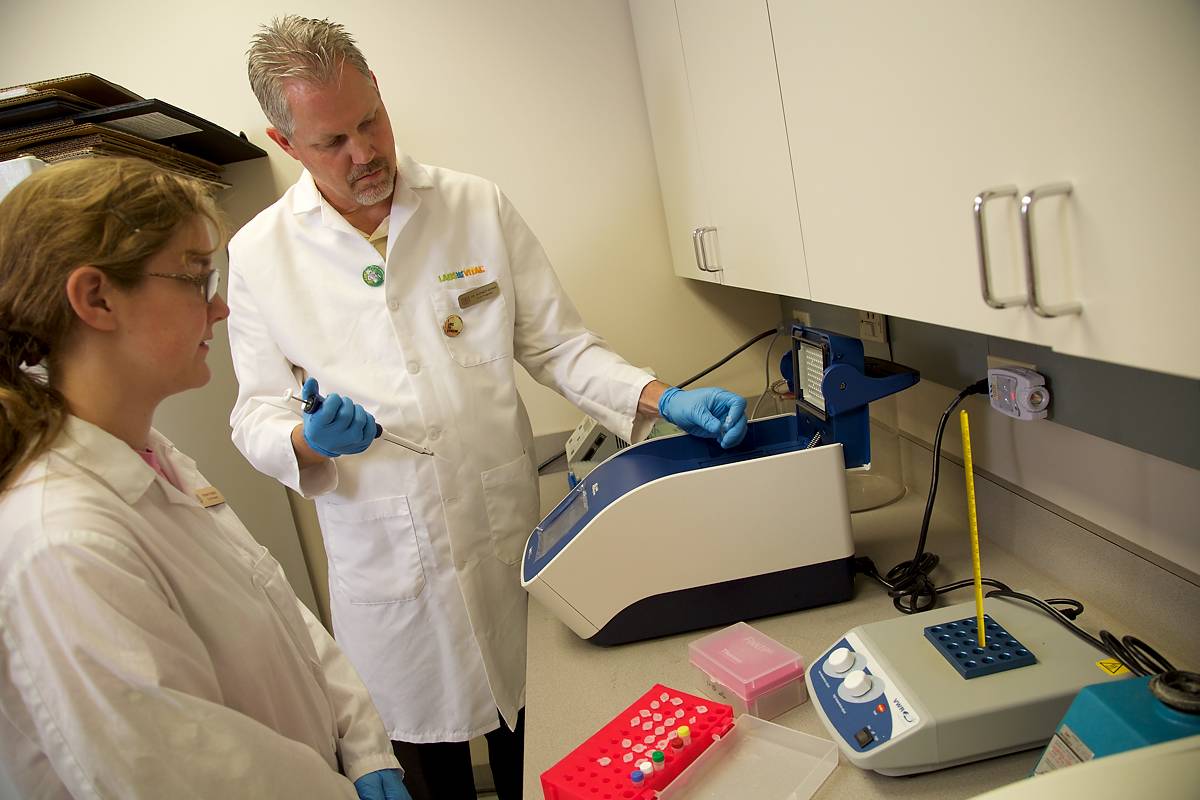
442	770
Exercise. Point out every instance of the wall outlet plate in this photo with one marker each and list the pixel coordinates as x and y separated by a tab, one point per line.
872	327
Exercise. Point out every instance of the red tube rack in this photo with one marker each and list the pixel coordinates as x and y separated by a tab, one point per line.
583	774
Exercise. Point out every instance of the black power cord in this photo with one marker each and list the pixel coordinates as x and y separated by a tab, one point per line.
908	583
913	591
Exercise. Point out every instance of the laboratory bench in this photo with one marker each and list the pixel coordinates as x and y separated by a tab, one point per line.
575	688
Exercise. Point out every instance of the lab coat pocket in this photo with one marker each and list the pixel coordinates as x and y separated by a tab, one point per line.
269	578
510	493
477	334
373	551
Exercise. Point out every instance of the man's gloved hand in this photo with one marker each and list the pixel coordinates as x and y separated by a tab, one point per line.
382	784
339	427
710	413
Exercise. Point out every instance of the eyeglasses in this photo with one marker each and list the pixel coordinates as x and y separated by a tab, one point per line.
208	283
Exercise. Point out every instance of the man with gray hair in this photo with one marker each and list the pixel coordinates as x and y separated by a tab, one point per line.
415	290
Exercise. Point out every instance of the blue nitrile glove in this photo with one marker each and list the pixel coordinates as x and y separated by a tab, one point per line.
710	413
339	426
382	784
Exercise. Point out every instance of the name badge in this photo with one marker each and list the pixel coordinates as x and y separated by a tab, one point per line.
478	295
210	496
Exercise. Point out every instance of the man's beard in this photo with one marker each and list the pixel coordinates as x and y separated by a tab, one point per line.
379	190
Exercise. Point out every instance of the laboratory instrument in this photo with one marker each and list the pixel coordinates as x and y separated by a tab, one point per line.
750	671
900	701
676	534
301	406
1018	392
1111	718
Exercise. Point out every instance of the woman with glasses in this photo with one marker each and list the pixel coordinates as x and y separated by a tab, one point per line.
149	647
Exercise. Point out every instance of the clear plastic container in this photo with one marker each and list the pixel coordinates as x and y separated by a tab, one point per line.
882	481
750	671
757	759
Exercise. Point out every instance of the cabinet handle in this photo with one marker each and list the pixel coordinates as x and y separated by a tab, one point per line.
1031	197
981	247
696	246
702	254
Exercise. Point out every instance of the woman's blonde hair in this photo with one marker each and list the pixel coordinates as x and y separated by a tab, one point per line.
109	213
311	50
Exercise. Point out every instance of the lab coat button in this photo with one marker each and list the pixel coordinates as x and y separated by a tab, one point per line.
393	304
414	367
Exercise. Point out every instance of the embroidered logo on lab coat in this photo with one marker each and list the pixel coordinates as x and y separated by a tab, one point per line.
462	273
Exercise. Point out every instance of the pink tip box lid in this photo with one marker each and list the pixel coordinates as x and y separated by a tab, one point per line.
746	660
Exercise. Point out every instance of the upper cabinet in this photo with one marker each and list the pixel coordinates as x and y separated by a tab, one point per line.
1058	138
712	93
1083	114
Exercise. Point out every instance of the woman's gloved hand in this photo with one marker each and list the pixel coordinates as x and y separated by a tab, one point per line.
710	413
339	426
382	784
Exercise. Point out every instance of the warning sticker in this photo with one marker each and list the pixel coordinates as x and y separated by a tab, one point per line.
1113	667
1065	749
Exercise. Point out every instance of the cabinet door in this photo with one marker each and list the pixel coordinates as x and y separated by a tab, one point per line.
672	126
743	144
899	113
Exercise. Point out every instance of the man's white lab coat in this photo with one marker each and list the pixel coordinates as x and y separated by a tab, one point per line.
424	552
151	648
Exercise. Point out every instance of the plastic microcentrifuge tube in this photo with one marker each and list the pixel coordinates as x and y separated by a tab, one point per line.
677	743
654	704
679	713
663	697
638	748
633	723
660	730
647	767
685	734
658	757
604	761
657	717
626	742
636	777
701	709
627	757
649	739
647	725
676	701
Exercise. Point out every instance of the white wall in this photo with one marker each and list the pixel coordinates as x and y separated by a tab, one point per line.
542	96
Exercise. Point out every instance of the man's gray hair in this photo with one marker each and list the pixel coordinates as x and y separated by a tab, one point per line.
312	50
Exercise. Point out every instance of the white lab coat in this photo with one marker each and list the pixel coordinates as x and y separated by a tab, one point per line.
424	552
151	648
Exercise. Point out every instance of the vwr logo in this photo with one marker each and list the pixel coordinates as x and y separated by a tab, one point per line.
903	711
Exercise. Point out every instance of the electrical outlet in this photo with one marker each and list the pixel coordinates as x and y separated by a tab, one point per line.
803	317
872	327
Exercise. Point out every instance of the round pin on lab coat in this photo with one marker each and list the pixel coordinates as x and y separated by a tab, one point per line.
453	325
373	275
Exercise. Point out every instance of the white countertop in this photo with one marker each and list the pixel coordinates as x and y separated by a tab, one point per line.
575	688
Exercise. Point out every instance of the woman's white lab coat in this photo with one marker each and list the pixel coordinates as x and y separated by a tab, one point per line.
151	648
424	552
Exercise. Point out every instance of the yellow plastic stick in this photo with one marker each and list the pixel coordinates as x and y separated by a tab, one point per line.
970	468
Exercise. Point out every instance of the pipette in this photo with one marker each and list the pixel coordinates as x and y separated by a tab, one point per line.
301	406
